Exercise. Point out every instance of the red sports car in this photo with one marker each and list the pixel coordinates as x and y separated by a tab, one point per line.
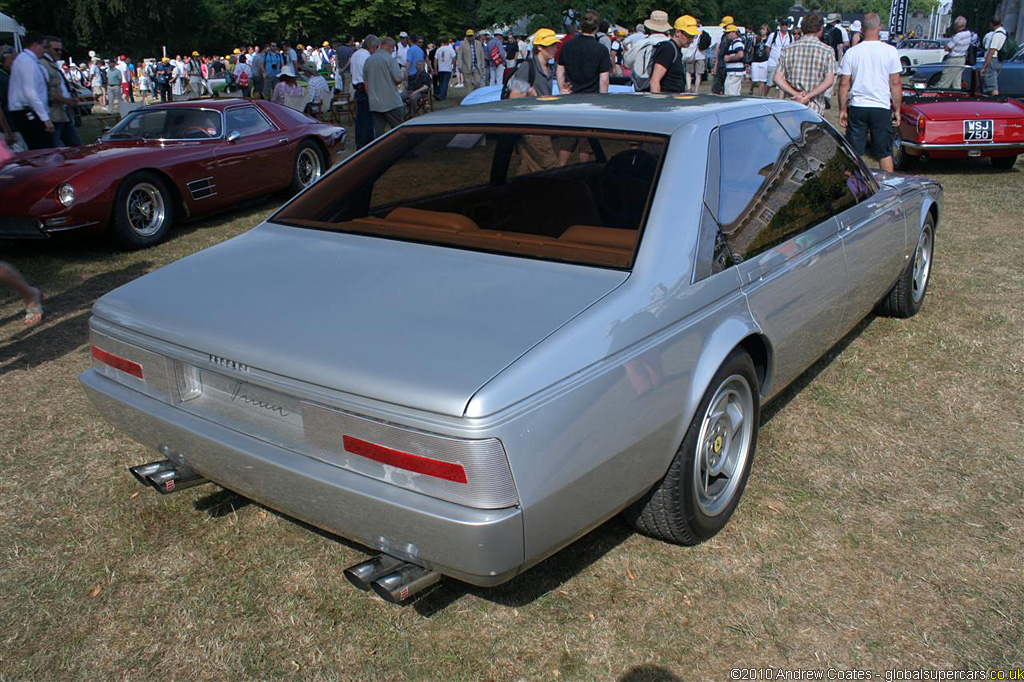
946	122
162	162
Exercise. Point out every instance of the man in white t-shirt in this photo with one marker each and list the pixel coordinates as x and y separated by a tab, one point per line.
957	46
777	41
444	63
870	93
993	42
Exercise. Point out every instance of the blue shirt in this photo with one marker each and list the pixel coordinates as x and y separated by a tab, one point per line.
415	54
272	63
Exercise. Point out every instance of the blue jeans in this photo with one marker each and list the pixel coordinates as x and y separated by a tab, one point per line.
442	87
66	135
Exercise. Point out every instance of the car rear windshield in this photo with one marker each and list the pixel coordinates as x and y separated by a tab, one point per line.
579	196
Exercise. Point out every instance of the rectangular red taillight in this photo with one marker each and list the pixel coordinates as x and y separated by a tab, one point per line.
405	460
126	366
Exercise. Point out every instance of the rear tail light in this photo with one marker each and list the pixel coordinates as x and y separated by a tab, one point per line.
404	460
118	363
920	126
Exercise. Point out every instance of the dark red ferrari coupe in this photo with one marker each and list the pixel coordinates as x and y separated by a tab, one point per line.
163	162
951	120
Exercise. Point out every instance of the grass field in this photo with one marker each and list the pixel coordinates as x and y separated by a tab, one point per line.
883	525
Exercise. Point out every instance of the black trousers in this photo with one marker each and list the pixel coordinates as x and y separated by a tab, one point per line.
364	120
32	129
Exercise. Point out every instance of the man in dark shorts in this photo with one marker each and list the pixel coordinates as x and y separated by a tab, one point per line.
668	74
871	93
584	66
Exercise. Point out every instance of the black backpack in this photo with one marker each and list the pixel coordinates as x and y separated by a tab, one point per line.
761	51
531	64
704	42
748	47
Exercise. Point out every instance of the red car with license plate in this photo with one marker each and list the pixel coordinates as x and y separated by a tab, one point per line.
163	162
953	120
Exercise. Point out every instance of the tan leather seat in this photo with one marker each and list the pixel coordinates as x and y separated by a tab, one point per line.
600	236
437	219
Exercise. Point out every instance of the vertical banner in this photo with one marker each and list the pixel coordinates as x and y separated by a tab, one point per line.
898	18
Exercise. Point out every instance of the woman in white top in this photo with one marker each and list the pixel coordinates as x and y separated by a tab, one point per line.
244	82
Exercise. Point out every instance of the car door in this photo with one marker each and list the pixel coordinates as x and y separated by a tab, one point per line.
249	158
871	217
785	241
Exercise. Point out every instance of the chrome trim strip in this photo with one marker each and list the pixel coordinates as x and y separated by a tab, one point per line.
964	147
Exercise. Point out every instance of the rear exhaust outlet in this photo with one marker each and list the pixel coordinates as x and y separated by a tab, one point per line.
407	581
363	574
142	471
173	480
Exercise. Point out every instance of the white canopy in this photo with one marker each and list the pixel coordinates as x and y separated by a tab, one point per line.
9	25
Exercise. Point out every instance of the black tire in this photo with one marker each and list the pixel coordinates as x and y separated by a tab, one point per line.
1004	162
126	230
906	66
300	179
671	510
901	160
907	295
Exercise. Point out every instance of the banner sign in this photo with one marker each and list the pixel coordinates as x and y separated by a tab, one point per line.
898	18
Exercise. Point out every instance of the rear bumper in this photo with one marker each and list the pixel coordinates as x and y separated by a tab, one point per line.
1001	147
479	546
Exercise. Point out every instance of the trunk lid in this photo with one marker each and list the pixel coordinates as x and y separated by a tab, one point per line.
410	324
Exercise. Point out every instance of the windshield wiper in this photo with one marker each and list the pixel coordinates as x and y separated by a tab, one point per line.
122	136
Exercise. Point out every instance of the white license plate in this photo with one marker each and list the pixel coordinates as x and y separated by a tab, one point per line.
978	131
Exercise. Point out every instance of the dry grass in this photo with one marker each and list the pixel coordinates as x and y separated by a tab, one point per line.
882	527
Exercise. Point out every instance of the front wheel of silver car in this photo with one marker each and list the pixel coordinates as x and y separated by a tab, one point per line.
907	295
709	472
143	211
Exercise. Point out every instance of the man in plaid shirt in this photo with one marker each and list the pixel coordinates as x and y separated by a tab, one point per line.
807	68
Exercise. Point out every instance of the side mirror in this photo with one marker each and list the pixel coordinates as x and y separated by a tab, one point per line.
233	136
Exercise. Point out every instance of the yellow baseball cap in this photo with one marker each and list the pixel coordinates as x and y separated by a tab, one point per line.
194	53
687	25
726	20
165	60
544	37
326	44
469	32
731	28
236	51
299	46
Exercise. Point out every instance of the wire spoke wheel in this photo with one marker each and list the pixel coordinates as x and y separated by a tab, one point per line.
145	209
724	445
308	167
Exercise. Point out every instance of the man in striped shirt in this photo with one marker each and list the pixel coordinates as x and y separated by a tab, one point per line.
807	68
734	66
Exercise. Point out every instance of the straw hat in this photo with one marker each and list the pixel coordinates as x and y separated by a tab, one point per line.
287	71
658	22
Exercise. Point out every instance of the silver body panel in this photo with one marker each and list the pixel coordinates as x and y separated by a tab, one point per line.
587	377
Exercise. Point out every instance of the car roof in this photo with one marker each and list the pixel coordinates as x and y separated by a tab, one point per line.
638	112
218	104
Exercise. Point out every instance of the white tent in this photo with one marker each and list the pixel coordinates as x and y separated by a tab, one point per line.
9	25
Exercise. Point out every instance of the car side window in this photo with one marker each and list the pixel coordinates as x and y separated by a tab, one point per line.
844	182
246	120
769	193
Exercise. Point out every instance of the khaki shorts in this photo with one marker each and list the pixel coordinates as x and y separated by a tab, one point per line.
696	67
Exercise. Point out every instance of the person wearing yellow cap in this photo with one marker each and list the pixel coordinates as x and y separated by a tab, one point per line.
472	61
324	56
734	67
195	76
534	78
668	71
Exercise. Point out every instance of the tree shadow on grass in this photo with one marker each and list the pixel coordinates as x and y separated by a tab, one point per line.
44	342
649	673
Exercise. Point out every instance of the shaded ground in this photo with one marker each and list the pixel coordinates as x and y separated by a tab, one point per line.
883	525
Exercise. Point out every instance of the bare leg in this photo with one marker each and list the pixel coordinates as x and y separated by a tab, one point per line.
886	165
10	277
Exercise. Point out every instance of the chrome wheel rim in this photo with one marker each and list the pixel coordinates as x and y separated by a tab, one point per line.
307	166
726	433
145	209
922	263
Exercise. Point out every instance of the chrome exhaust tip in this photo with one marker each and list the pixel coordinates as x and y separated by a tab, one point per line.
174	479
142	471
404	583
363	574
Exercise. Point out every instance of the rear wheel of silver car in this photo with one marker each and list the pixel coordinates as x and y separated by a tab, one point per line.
1004	162
707	477
907	296
309	166
143	211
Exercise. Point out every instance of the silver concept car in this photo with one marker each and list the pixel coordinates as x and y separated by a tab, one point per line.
499	326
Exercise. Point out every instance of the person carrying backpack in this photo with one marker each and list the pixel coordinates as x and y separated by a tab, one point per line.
534	78
777	41
640	56
999	47
668	73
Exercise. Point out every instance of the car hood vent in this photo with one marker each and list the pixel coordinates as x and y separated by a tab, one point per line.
410	324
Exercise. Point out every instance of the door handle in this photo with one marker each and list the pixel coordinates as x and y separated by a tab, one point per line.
282	140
